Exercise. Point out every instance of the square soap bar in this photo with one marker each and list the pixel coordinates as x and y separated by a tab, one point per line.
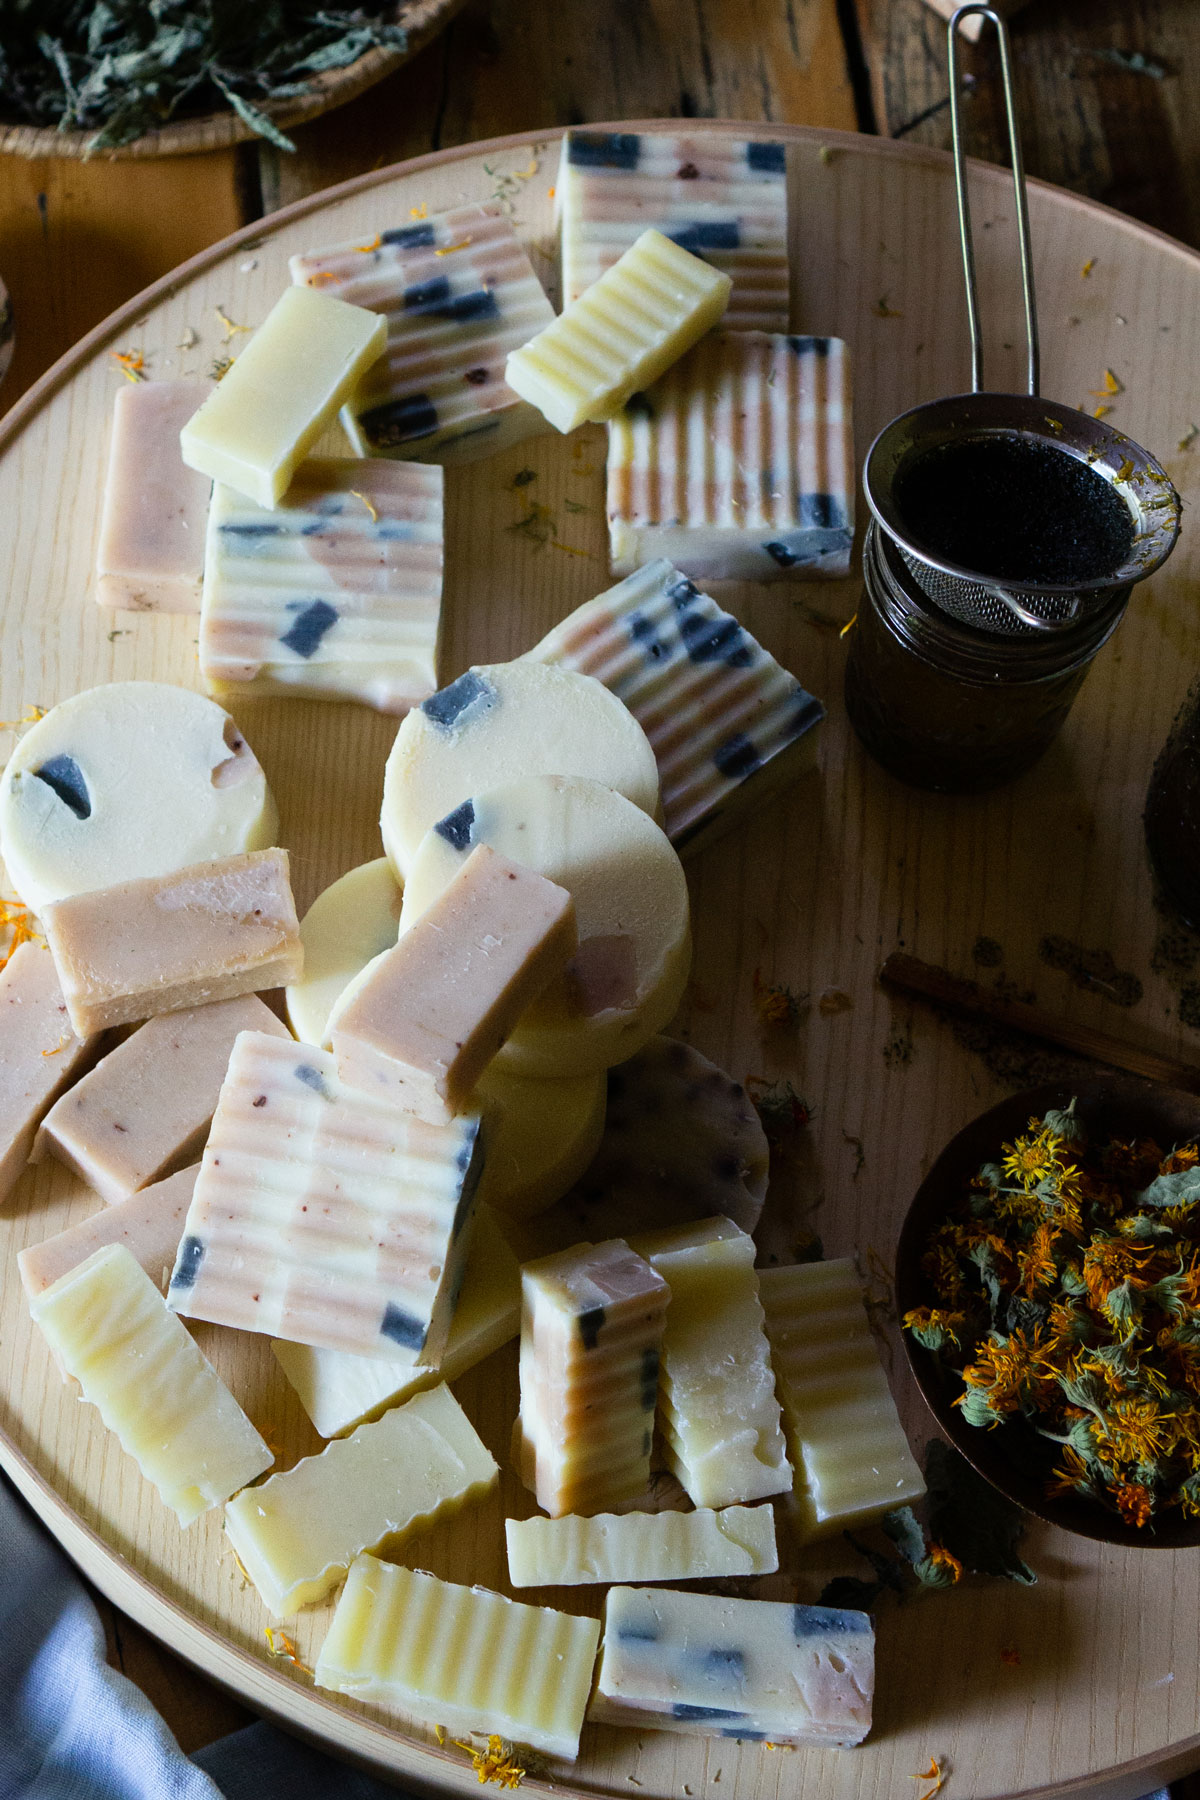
457	292
721	197
285	387
336	593
739	463
151	552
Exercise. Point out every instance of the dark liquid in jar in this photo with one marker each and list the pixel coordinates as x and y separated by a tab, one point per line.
1016	510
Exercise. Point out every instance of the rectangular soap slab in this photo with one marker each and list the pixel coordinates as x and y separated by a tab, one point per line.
40	1054
298	1533
147	1105
739	464
765	1669
719	1415
459	1657
324	1215
285	387
339	1390
621	335
336	593
727	725
149	1225
151	552
458	292
640	1546
847	1444
166	942
721	197
431	1013
137	1365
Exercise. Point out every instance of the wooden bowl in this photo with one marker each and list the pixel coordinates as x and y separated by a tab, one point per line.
422	19
1010	1456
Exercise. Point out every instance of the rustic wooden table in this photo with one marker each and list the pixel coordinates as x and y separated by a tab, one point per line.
1103	91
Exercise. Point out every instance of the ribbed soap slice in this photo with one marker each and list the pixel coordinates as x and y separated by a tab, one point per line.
640	1546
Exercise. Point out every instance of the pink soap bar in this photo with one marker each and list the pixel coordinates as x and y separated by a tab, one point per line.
149	1224
39	1053
151	552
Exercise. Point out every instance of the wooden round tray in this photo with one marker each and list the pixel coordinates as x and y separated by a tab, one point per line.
1095	1672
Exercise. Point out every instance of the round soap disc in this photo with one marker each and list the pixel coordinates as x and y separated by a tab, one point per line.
539	1137
500	723
631	910
127	781
352	922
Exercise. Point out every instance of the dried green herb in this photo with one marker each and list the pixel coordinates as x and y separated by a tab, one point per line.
120	68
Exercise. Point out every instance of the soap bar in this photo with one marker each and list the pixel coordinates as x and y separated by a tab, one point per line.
285	387
149	1225
591	1326
458	292
336	593
147	1106
151	552
727	725
631	911
40	1054
339	1390
325	1215
431	1013
108	1326
739	464
719	1415
631	325
460	1657
172	941
722	198
847	1444
344	929
503	722
128	780
640	1546
297	1534
541	1136
699	1663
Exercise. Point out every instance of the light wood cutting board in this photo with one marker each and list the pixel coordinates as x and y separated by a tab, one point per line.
1105	1685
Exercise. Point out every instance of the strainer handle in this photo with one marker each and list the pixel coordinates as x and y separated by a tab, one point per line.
964	205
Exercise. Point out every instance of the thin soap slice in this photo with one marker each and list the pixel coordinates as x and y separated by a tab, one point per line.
40	1054
640	1546
149	1225
151	552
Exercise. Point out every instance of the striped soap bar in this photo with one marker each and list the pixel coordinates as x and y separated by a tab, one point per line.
721	197
324	1215
460	1657
641	1546
739	463
622	334
727	725
458	293
851	1456
334	593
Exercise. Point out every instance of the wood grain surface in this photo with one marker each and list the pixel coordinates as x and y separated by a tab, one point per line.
848	866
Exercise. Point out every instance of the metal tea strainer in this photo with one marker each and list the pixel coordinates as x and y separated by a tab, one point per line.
970	595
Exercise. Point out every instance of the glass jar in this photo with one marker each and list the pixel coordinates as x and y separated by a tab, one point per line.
946	706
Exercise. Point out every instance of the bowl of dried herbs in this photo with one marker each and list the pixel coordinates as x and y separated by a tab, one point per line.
1048	1283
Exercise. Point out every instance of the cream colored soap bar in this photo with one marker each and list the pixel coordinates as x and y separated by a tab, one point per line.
339	1390
151	552
431	1013
335	594
324	1215
298	1533
106	1323
40	1054
847	1444
719	1414
638	1546
619	336
460	1657
345	928
149	1225
746	1669
284	388
147	1106
159	945
134	779
591	1326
